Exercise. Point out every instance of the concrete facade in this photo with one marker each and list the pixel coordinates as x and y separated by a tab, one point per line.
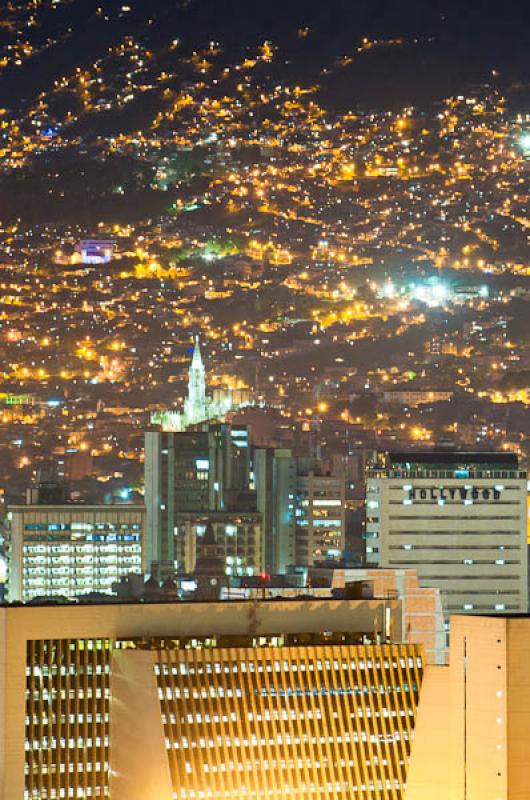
70	550
462	524
473	727
56	665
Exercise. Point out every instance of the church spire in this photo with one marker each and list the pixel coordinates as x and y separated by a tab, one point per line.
196	361
195	403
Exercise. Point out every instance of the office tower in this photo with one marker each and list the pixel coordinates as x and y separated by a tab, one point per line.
220	700
303	509
237	536
460	519
70	550
191	471
275	483
471	737
320	509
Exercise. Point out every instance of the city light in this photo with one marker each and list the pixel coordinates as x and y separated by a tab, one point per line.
524	143
264	393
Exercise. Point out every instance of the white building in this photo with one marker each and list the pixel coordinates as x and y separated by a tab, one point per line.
198	407
70	550
460	520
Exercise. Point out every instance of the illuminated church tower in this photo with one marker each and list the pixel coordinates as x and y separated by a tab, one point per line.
195	404
198	407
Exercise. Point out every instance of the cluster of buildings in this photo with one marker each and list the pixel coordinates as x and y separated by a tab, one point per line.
317	240
266	518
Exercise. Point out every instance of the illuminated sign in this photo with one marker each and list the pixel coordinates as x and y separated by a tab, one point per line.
436	494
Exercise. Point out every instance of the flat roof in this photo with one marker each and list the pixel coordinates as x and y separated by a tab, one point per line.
453	457
76	506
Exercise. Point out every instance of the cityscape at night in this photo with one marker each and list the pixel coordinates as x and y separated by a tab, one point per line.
264	400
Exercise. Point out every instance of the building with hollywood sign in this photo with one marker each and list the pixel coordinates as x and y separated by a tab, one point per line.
459	519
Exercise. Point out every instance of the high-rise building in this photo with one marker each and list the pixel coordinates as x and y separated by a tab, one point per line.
303	508
70	550
471	736
320	513
274	472
460	519
192	471
215	700
237	536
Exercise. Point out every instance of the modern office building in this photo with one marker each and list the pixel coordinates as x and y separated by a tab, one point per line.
237	536
303	509
320	513
274	472
189	700
69	550
192	471
471	736
459	519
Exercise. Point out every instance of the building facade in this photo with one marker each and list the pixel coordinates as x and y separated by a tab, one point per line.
303	509
237	536
70	550
460	520
422	620
471	737
235	700
191	471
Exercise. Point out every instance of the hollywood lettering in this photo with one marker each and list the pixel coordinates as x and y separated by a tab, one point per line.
436	493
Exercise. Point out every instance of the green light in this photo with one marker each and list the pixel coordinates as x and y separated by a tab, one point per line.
524	142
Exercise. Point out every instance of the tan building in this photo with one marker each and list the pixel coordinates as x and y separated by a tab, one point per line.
459	519
70	550
189	700
421	620
472	733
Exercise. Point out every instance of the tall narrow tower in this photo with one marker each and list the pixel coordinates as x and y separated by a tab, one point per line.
195	403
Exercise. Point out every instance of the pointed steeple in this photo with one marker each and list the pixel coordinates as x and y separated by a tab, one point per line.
196	361
195	403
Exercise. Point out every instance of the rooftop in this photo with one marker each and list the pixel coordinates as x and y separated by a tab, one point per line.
433	457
